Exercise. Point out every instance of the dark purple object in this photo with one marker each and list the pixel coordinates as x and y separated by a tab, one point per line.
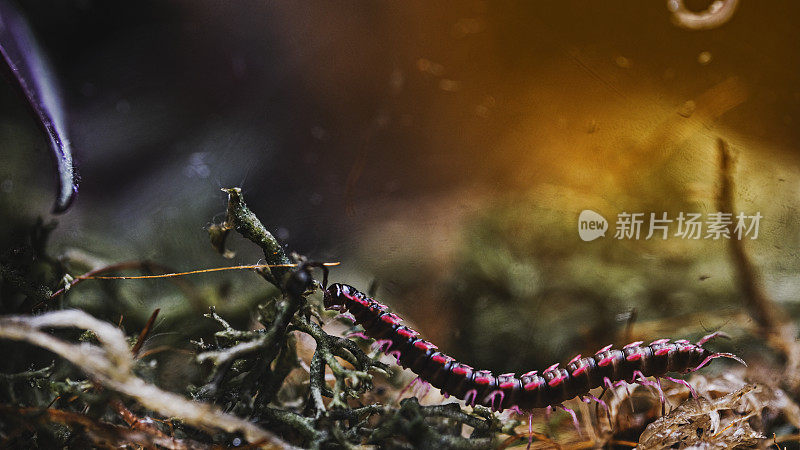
27	66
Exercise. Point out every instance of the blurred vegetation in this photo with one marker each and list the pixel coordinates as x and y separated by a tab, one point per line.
251	373
447	177
527	281
276	378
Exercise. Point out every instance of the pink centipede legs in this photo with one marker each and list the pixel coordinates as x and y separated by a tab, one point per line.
418	387
608	367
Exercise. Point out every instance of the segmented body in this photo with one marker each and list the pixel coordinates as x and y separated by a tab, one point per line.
530	390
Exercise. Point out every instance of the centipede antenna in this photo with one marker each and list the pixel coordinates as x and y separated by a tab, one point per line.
324	266
714	335
324	276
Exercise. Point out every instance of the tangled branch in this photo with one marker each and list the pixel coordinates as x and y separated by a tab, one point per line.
110	365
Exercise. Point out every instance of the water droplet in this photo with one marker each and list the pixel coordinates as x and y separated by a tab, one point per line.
687	109
623	62
449	85
123	107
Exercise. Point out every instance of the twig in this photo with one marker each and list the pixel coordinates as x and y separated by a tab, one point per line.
263	378
27	375
135	422
328	348
102	433
145	331
302	425
267	345
780	333
240	218
764	309
111	366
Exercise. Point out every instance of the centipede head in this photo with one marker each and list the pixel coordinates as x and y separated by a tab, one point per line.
301	279
697	356
331	296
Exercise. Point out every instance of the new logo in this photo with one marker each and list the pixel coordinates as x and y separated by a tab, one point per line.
591	225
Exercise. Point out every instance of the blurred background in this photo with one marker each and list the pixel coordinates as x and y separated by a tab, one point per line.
442	152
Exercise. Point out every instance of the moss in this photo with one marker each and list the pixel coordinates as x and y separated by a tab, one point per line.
244	378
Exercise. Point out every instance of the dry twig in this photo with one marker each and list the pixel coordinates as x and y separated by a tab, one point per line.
110	365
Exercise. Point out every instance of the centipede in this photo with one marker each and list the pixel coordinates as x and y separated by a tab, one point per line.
551	387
